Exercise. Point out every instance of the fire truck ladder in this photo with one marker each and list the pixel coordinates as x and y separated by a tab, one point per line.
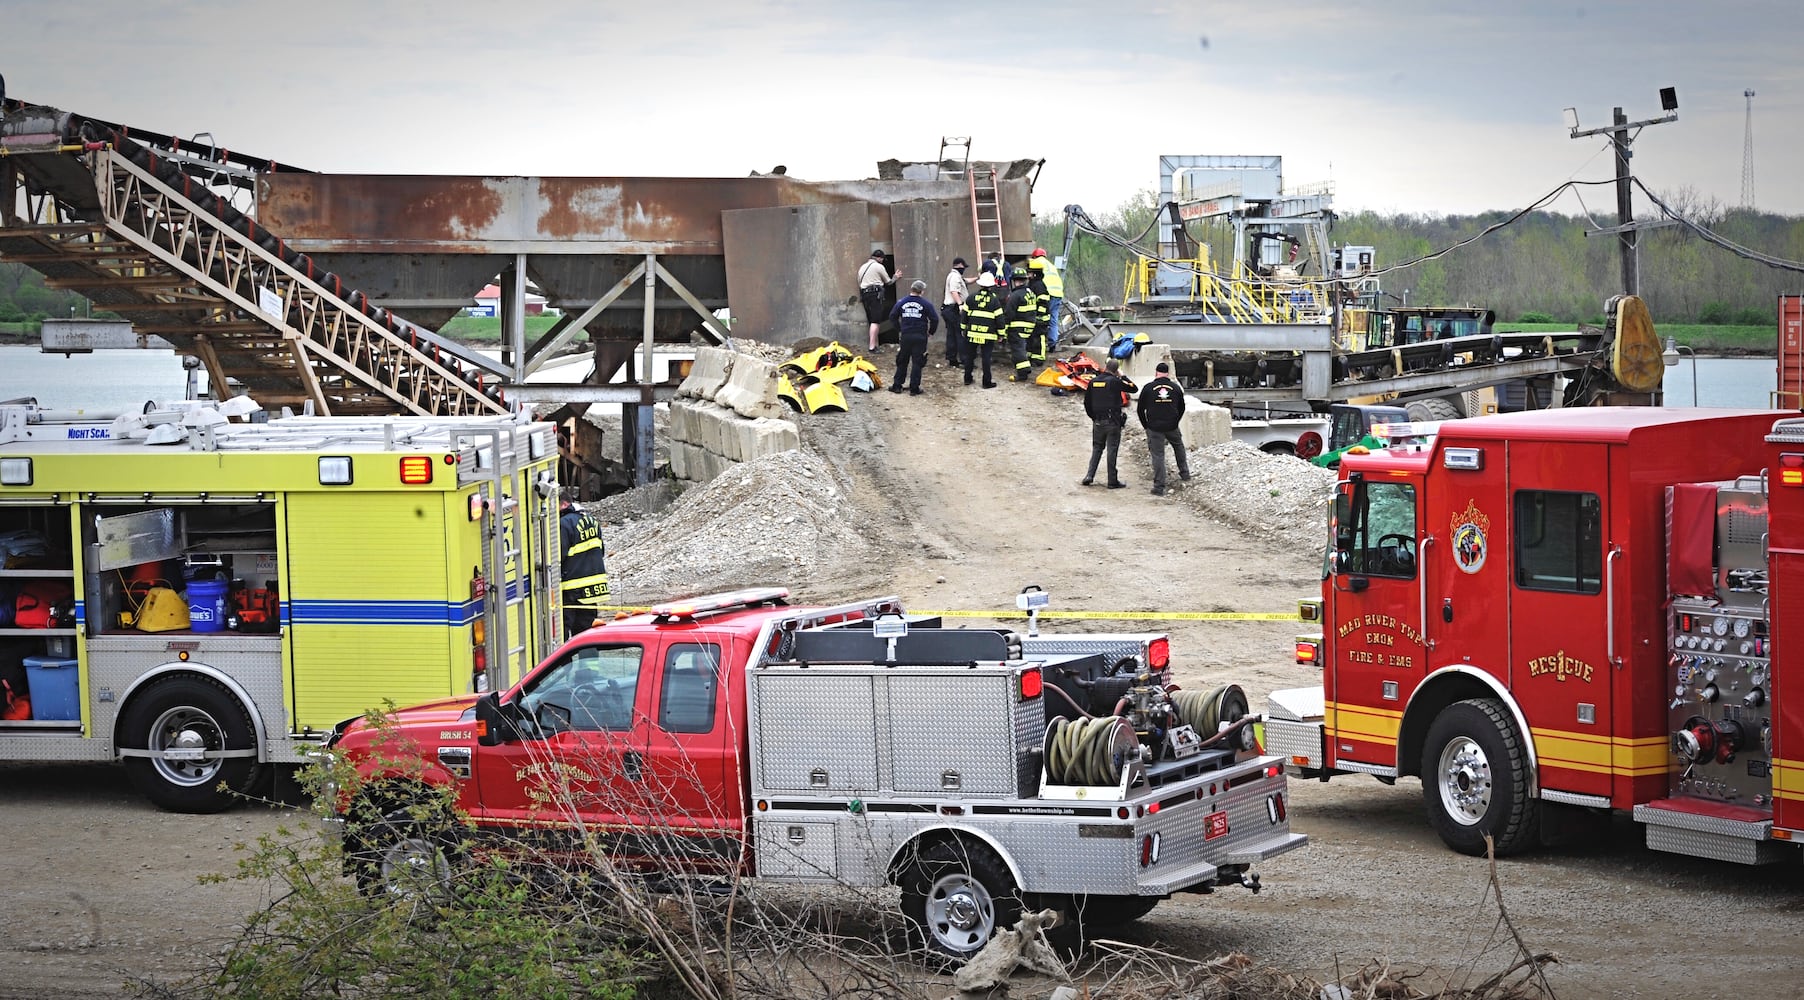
140	235
521	533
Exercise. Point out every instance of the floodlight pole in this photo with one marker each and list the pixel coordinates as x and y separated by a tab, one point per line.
1620	137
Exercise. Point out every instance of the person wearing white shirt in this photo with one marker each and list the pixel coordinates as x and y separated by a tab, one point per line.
872	277
952	306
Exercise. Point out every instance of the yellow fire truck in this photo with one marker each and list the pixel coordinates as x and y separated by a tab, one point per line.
205	598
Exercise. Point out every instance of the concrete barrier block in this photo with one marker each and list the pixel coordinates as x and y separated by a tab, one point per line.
709	372
758	438
1205	425
712	465
682	420
1139	366
751	389
679	460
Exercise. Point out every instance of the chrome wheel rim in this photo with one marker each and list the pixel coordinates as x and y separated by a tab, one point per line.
1465	780
413	866
178	740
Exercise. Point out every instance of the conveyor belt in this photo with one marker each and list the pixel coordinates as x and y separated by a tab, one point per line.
144	225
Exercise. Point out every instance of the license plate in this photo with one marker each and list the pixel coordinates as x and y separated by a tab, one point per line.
1215	825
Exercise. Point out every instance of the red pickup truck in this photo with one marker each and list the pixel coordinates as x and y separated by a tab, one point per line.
977	769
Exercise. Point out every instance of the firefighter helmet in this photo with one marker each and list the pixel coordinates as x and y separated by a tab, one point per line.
1038	252
1018	274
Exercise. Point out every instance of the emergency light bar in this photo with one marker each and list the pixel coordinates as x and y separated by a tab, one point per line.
702	605
1414	429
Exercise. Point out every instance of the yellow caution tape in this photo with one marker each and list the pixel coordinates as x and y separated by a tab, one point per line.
1150	616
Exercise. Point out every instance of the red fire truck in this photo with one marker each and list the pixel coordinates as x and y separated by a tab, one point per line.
1552	614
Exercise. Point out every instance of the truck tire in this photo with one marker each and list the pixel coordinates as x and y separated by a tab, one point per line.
1278	448
1475	780
957	896
1431	409
402	845
192	713
1100	912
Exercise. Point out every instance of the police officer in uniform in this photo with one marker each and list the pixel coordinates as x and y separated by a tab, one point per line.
585	567
1021	313
1105	401
983	323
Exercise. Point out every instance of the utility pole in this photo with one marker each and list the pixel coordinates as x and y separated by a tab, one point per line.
1622	136
1747	155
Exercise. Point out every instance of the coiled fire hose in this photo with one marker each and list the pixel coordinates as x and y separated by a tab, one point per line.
1083	751
1205	711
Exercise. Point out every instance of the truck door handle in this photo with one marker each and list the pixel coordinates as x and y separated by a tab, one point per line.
1447	610
632	764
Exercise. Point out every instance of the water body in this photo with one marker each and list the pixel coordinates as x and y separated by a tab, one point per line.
124	380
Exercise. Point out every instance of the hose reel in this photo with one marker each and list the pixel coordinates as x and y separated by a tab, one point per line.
1206	711
1092	751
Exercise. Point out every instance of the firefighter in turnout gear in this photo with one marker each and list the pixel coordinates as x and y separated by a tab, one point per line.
585	568
1020	312
983	323
1036	345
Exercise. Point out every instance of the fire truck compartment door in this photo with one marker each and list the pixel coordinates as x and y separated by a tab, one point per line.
1376	646
1564	582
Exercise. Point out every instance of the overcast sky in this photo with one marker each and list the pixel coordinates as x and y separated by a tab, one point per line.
1407	105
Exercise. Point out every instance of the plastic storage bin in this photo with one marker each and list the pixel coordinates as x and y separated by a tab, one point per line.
55	688
207	605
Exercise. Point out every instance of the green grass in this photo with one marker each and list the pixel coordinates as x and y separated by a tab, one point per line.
487	329
1704	338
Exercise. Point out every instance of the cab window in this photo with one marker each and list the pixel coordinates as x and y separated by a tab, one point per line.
1378	533
691	688
591	690
1559	541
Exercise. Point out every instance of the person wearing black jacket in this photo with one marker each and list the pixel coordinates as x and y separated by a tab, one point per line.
584	567
1161	409
1105	400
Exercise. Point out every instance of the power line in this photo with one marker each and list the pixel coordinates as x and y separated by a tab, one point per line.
1703	232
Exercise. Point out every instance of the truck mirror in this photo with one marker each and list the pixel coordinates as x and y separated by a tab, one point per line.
1343	523
1343	559
493	722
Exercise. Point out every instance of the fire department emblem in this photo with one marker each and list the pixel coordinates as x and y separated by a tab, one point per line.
1470	530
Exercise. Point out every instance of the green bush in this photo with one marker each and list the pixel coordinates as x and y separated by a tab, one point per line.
1535	317
1715	313
1755	317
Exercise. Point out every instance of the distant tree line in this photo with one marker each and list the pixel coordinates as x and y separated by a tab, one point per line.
1541	265
24	299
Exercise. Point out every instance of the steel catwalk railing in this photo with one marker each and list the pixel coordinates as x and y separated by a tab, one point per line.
217	285
322	329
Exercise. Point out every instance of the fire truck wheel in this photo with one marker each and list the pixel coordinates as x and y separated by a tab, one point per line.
1475	779
404	847
190	714
957	896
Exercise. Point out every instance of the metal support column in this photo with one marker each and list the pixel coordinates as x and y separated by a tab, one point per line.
513	318
642	430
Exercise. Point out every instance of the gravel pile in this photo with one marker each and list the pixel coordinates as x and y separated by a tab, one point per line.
1268	496
775	521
